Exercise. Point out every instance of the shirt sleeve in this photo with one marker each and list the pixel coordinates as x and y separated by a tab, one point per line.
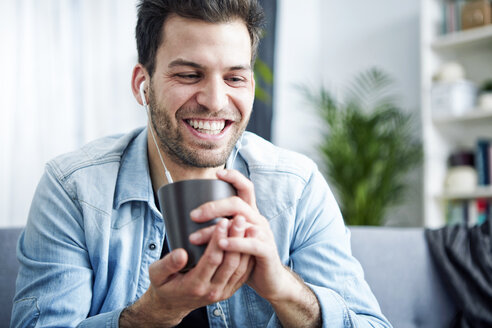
54	283
321	255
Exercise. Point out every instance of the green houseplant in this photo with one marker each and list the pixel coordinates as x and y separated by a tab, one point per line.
263	76
368	148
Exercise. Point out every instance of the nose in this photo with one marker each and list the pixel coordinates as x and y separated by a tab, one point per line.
213	95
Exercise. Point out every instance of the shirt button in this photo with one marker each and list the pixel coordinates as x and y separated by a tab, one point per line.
152	246
217	313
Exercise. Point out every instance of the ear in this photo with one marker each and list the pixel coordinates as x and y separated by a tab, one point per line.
139	75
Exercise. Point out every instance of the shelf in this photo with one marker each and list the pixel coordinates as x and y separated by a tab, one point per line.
445	132
475	115
480	192
475	36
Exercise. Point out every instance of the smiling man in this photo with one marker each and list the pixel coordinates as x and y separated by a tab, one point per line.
200	92
94	251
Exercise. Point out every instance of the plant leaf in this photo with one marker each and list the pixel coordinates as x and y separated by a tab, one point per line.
368	146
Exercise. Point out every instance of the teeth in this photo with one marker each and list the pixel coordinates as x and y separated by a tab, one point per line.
207	127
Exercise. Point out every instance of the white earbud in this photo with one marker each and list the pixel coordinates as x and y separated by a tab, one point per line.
142	93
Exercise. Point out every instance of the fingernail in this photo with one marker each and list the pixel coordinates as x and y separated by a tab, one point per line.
196	213
239	223
223	224
194	237
221	172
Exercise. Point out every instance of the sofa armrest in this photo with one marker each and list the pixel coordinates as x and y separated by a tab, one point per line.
400	271
8	271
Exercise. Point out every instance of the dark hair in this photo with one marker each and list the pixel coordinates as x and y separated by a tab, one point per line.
153	13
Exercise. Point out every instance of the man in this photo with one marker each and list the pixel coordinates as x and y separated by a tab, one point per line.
90	253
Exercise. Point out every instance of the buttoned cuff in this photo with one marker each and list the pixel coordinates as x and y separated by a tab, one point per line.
107	320
334	311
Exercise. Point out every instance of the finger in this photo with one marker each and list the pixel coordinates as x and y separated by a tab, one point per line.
202	236
252	232
244	245
238	226
244	186
254	246
161	270
240	275
231	259
249	269
250	265
213	255
231	206
242	272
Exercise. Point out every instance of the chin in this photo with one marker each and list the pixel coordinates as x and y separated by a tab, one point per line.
204	158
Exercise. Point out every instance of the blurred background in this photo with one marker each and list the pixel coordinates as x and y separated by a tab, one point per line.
66	81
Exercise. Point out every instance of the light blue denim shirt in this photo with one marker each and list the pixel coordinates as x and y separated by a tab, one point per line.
94	229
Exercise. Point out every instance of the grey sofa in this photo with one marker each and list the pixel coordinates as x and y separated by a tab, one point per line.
395	260
8	272
400	271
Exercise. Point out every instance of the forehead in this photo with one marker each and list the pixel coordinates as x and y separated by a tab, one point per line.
204	42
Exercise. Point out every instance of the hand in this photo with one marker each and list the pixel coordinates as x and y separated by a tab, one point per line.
293	301
269	278
172	295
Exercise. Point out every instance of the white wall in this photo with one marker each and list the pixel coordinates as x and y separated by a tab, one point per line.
66	81
64	91
328	41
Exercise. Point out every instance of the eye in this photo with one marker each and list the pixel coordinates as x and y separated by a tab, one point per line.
236	80
188	77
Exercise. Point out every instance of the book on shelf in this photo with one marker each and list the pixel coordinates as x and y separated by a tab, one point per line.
477	207
483	161
461	15
468	212
452	10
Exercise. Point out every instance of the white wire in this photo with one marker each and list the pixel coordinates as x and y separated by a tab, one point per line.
239	145
222	315
146	106
166	171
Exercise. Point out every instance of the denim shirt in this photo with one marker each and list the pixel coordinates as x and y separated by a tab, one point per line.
94	229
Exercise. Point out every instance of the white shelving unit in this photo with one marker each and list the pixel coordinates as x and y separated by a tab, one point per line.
445	134
480	192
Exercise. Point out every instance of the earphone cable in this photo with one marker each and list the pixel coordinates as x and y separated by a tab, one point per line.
166	171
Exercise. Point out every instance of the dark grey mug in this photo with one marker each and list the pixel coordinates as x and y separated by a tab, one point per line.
177	200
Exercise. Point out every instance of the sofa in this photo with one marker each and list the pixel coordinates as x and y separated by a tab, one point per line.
396	263
403	277
8	272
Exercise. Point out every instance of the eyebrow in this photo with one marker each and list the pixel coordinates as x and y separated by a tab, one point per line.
183	62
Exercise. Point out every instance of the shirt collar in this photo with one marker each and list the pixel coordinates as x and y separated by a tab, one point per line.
133	183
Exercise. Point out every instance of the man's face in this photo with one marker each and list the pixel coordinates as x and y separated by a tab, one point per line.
202	90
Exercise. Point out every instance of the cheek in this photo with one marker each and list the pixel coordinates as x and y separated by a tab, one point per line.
175	98
243	100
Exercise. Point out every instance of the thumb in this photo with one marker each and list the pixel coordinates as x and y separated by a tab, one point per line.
162	270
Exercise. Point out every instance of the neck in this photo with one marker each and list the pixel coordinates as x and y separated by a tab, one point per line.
178	171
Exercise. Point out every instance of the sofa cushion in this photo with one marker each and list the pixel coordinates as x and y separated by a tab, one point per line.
399	269
8	271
